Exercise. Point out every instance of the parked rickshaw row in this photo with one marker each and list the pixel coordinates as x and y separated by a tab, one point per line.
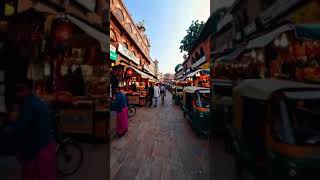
195	104
271	127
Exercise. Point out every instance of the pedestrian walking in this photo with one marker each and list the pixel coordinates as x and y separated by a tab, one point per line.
120	106
156	94
163	93
32	131
151	93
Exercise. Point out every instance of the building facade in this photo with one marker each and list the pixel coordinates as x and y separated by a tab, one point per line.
168	77
128	40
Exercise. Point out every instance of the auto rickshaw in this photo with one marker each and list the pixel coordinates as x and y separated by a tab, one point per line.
196	107
221	100
276	130
177	94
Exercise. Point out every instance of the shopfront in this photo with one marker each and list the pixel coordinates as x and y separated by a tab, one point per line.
65	60
128	74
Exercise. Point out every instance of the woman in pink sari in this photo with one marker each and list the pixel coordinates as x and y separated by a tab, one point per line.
120	105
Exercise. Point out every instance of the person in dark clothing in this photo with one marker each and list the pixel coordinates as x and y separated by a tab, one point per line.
32	131
78	86
134	87
151	93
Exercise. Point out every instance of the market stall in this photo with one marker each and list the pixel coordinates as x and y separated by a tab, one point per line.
298	54
200	78
66	65
133	82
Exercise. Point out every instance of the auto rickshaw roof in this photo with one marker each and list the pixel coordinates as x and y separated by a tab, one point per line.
192	89
263	88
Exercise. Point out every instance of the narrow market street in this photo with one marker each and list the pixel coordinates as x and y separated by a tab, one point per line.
160	144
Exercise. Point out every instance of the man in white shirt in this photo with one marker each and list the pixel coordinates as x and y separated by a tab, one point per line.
156	94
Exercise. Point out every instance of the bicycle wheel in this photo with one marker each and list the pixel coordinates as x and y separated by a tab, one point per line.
131	111
69	158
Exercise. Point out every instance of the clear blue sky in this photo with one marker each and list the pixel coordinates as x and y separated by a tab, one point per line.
166	23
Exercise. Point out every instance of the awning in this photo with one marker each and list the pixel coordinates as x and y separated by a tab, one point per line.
231	56
44	8
308	31
266	39
99	36
143	74
203	71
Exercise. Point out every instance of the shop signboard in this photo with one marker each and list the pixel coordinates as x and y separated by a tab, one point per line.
113	54
123	50
277	9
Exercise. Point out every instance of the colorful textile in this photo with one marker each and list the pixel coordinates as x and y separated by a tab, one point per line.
42	167
122	121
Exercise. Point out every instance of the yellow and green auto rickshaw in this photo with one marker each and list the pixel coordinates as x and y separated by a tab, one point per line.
276	129
177	94
221	100
196	107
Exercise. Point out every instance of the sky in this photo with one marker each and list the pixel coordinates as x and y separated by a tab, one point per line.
166	23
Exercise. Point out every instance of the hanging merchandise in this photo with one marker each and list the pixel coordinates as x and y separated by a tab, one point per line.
47	70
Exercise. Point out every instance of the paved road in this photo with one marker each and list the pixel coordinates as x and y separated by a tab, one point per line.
222	165
94	165
160	145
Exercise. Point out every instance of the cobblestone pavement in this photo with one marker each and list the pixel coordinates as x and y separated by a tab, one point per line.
159	145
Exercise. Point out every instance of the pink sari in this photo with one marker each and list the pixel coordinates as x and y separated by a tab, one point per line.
43	167
122	121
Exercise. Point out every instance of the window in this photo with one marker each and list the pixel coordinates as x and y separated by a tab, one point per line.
113	36
193	60
280	123
119	15
125	45
203	99
295	118
201	52
128	28
197	56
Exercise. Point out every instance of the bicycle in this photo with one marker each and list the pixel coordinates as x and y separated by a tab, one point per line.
131	110
69	153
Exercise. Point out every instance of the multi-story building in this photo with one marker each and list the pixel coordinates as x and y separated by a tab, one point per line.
128	40
156	68
200	54
168	77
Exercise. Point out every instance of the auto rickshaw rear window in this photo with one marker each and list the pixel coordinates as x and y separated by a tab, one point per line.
303	95
203	100
298	123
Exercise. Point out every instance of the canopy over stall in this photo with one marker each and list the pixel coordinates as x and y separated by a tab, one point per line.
266	39
203	71
99	36
232	55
